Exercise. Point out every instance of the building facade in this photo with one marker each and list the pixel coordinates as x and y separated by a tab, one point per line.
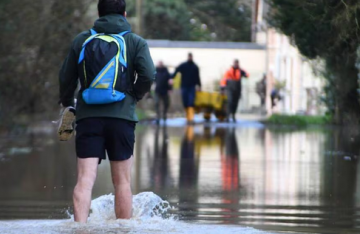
285	64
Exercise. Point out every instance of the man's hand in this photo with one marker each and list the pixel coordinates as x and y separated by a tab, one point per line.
222	90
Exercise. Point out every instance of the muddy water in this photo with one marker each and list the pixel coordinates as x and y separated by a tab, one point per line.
228	176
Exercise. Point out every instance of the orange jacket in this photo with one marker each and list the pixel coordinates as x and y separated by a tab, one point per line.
233	74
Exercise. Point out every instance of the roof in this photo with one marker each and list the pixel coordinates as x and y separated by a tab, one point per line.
204	45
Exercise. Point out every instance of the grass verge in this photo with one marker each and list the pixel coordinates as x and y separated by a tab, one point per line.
298	120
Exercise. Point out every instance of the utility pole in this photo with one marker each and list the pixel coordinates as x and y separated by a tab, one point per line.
139	16
254	25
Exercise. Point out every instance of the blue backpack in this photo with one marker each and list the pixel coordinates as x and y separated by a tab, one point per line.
103	63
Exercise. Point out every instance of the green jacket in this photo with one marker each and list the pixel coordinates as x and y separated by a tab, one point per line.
139	62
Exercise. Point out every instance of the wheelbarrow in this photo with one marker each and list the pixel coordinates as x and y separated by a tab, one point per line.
210	103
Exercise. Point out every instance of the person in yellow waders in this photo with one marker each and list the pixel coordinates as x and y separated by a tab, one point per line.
190	81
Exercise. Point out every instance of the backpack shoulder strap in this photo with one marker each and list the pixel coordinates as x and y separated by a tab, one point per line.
124	33
93	32
121	40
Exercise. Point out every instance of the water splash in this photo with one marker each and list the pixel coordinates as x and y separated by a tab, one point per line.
145	206
151	215
150	205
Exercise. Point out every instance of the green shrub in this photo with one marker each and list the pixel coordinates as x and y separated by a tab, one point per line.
299	120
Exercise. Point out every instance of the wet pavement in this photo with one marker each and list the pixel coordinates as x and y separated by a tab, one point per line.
276	179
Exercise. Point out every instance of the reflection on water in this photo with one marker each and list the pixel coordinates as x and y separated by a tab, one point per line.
160	166
189	171
230	172
269	178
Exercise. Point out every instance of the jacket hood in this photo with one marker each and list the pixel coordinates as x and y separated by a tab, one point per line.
113	23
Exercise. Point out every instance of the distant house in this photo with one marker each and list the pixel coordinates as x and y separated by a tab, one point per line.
285	63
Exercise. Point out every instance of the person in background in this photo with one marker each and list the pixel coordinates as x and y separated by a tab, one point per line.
108	129
275	97
162	91
231	83
261	90
190	81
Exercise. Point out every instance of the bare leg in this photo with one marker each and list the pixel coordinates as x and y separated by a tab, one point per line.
86	175
121	177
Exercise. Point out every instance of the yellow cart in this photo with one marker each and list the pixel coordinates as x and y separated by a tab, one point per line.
211	103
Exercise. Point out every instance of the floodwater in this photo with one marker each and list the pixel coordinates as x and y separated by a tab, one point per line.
237	178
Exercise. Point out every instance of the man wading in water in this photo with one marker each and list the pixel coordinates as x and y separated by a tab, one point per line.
105	60
190	81
231	83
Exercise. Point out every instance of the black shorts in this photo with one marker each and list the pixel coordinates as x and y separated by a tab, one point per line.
97	136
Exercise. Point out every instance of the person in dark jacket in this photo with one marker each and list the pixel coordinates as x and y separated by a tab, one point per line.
261	90
162	90
190	80
106	128
275	97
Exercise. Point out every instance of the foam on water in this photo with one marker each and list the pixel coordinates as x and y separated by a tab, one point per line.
150	215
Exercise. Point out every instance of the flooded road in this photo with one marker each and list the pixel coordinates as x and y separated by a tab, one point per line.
270	179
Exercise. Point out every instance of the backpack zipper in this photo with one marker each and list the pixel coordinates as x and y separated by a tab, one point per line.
85	74
116	72
122	71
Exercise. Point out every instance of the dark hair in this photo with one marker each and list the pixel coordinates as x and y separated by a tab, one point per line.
107	7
